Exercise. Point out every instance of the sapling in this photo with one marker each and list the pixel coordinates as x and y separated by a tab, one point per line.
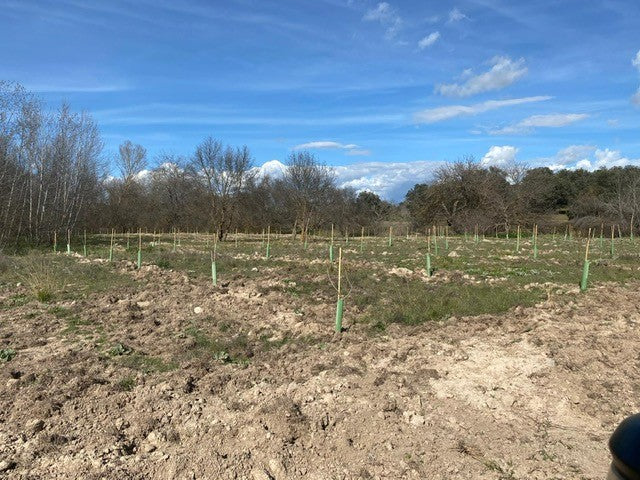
518	240
428	259
340	302
446	237
602	235
55	242
113	232
585	266
214	271
390	233
268	242
435	241
361	239
535	241
631	227
68	242
84	242
175	240
611	249
139	248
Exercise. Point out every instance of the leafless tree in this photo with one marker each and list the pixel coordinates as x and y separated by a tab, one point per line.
224	172
309	186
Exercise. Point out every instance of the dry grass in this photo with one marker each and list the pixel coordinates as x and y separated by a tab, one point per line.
39	276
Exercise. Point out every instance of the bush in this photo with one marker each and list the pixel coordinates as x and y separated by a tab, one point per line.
40	277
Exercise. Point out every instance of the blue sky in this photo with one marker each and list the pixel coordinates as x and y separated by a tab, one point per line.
384	91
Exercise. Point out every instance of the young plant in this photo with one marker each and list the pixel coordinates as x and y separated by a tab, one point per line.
268	242
340	301
428	259
139	248
585	266
214	270
113	233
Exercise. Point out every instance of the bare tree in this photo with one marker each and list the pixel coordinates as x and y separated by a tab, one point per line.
309	186
224	171
132	160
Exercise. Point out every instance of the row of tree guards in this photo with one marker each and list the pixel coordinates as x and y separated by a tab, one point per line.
432	235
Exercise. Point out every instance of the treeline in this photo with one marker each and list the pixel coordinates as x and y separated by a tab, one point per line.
464	195
54	178
218	190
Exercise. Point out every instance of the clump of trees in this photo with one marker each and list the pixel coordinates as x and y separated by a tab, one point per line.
465	194
54	178
49	167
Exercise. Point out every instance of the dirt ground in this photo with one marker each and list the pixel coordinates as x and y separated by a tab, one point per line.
531	394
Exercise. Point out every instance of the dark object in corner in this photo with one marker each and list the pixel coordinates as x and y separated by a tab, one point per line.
625	449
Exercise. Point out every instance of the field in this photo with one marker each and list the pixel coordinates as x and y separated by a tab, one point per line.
497	366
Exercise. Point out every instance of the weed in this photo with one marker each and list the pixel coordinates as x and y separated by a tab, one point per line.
119	349
7	354
127	384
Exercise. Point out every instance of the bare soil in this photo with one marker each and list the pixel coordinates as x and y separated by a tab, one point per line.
255	385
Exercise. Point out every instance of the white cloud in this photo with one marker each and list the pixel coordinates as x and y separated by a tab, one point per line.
587	157
351	148
387	16
503	73
611	158
389	180
636	60
499	156
574	154
272	168
635	99
456	15
540	121
429	40
438	114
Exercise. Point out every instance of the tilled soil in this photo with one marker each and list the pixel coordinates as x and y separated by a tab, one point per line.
255	385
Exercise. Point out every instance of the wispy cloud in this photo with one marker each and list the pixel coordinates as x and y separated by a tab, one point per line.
71	88
428	40
387	16
529	124
635	99
503	72
432	115
192	114
456	15
351	148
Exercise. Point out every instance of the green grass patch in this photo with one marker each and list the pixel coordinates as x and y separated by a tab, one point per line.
416	303
145	363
